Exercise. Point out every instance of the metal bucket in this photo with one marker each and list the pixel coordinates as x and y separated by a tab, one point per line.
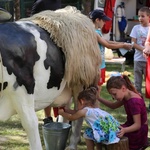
55	135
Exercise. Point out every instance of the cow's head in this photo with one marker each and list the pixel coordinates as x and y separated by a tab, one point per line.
4	15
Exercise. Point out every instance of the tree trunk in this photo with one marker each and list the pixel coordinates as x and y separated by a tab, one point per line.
17	9
122	145
87	6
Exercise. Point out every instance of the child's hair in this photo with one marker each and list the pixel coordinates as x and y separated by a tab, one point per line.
145	9
89	95
118	81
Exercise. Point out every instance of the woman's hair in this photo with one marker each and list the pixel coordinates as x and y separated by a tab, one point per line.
88	95
118	81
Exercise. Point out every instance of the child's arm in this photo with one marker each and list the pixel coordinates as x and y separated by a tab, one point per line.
113	45
134	127
110	104
136	46
79	114
70	111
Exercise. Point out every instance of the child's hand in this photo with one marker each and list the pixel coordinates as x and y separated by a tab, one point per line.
121	132
127	46
60	111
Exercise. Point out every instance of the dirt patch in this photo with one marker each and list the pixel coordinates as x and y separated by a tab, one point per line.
3	139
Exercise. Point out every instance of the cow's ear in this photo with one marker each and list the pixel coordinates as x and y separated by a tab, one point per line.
4	15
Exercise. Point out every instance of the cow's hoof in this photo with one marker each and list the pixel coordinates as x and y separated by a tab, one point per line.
48	120
70	148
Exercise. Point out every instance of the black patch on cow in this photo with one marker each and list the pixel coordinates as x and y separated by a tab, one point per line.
18	49
54	59
5	84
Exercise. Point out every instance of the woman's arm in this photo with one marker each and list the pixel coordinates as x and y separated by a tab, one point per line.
110	104
134	127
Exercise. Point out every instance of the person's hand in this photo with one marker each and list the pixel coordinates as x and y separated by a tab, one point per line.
146	52
127	46
145	55
60	111
121	132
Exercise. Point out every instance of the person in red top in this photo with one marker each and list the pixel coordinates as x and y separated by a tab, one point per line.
146	53
136	125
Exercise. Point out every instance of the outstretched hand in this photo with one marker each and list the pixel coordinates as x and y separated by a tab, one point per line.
127	46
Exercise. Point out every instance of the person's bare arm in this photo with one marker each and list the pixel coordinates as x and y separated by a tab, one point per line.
110	104
146	50
134	127
79	114
70	111
114	42
136	46
112	45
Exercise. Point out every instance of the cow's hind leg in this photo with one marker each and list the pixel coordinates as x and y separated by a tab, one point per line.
77	124
75	135
25	109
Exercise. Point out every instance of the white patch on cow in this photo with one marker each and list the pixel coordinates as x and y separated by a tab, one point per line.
41	75
23	23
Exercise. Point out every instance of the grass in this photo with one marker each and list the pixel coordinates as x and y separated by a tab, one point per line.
13	136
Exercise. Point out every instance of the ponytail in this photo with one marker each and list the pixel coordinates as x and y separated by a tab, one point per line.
118	81
130	85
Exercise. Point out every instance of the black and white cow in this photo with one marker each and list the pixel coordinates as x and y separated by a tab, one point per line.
32	71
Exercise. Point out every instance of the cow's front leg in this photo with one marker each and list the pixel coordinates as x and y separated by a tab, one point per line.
30	124
29	120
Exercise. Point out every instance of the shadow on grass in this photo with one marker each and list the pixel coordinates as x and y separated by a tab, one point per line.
11	124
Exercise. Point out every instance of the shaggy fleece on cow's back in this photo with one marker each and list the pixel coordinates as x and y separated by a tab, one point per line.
75	34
